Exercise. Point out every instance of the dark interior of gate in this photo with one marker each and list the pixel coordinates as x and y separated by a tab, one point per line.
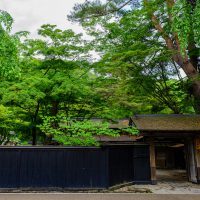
73	168
170	154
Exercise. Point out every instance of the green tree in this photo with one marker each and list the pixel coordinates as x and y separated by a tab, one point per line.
9	51
9	70
152	31
64	61
27	94
55	79
8	123
79	132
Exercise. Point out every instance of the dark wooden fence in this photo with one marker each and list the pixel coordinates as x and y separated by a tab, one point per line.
141	160
72	168
129	164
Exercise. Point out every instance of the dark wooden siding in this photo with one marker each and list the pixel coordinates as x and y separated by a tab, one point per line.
141	161
129	164
9	168
120	164
72	168
53	167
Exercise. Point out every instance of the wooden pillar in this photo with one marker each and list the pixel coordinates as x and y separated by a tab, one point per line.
191	161
152	162
197	157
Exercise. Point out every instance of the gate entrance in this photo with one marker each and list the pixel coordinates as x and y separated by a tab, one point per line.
174	144
170	157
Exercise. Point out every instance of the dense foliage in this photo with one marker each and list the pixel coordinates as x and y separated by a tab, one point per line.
52	87
79	132
147	42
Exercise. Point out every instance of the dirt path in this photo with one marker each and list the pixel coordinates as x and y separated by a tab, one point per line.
96	197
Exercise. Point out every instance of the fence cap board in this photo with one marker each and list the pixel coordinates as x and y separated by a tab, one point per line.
47	147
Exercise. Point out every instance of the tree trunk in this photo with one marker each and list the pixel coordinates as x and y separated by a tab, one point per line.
54	108
189	61
193	76
34	123
196	94
54	112
193	3
34	135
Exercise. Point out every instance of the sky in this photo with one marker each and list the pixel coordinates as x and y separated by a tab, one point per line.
29	15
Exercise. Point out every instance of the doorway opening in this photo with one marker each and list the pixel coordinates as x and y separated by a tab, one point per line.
170	161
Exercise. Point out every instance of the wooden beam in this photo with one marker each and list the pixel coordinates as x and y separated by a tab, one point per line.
197	157
153	162
191	161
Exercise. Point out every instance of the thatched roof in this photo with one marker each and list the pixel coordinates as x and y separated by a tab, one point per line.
121	138
119	124
115	124
181	123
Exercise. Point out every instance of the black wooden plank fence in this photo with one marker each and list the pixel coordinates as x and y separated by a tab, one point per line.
72	168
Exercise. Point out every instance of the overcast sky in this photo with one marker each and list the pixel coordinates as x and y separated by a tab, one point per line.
29	15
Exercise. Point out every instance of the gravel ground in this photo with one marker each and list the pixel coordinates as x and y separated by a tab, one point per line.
163	188
169	182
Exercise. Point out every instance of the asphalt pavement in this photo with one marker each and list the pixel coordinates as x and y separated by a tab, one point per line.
98	196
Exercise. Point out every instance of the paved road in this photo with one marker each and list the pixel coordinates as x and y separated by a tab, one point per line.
97	197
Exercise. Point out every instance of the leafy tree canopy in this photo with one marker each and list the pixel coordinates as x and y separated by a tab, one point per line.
146	42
